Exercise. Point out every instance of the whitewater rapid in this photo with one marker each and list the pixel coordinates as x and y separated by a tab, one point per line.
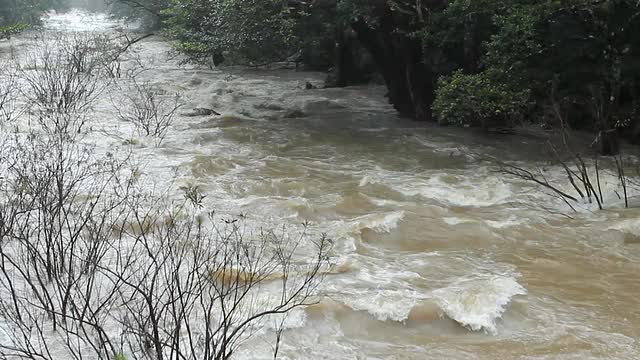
436	255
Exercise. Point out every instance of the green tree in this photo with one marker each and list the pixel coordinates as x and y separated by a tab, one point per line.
148	12
577	61
18	15
244	31
478	100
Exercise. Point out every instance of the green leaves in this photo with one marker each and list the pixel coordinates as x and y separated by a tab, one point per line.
245	31
478	100
15	14
573	53
7	31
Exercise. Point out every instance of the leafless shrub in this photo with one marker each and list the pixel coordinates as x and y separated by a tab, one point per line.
92	266
60	75
65	74
111	275
115	49
148	109
583	174
56	207
194	195
8	91
196	290
86	273
99	54
584	169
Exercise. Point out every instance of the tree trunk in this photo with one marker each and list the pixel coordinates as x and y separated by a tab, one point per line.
400	60
472	45
346	71
608	143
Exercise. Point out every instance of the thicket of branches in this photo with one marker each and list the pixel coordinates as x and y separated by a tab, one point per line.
588	178
148	109
93	266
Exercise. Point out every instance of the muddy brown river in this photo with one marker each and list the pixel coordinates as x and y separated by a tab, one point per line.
436	255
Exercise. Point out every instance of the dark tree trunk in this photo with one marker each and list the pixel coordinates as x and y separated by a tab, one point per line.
472	45
608	143
400	60
346	70
419	79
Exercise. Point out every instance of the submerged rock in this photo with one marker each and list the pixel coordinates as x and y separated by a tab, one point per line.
269	106
295	113
201	112
195	82
631	239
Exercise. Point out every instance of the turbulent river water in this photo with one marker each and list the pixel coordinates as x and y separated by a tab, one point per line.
437	256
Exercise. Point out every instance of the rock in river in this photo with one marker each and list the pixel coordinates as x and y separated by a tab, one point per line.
201	112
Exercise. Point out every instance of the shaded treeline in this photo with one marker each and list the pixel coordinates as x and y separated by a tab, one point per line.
15	15
491	63
19	15
485	62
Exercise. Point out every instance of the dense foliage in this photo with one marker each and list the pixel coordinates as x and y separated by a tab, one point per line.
578	59
559	62
13	12
478	100
18	15
255	31
147	12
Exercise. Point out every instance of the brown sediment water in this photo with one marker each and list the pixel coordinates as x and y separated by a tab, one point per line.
439	257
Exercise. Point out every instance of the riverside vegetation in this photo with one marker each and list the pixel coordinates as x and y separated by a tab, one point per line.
93	263
103	258
483	63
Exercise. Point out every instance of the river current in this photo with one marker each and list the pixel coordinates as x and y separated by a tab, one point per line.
436	255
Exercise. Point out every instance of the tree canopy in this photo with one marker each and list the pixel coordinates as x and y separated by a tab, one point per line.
18	15
558	62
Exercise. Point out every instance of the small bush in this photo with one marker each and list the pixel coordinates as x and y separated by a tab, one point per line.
7	31
149	110
477	100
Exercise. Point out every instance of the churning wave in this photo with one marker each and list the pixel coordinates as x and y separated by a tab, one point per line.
478	303
381	223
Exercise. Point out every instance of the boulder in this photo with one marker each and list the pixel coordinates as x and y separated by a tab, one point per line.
201	112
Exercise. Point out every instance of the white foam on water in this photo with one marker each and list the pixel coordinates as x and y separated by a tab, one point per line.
477	303
385	304
80	21
384	289
471	188
294	319
631	226
629	229
511	221
452	220
483	192
386	202
381	223
366	180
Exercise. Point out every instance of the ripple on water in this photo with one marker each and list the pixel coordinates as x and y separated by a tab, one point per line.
437	245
